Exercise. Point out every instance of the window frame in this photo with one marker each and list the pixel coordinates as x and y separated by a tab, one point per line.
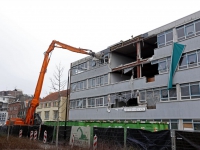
97	104
165	43
45	115
88	104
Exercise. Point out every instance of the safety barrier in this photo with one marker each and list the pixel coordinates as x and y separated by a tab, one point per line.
45	137
35	135
115	138
95	143
31	135
72	141
20	133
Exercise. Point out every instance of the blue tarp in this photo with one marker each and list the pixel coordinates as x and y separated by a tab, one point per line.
175	58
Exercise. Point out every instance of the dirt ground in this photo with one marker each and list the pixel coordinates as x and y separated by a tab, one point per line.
27	144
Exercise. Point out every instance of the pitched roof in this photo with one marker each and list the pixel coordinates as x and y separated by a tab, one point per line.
54	96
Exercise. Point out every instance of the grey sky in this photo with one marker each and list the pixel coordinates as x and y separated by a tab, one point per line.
27	28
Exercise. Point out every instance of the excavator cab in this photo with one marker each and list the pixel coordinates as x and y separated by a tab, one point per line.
37	119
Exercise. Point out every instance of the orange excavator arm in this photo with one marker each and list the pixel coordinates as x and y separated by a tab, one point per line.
29	120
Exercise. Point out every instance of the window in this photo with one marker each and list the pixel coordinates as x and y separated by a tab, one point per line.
197	27
174	123
55	114
93	82
55	104
181	33
164	95
92	63
105	100
49	104
91	102
101	80
98	81
183	62
89	83
81	103
142	96
161	40
195	90
99	101
46	115
185	91
78	86
81	85
172	94
45	105
189	29
106	58
196	124
106	79
162	66
85	84
192	59
189	60
165	38
169	37
72	104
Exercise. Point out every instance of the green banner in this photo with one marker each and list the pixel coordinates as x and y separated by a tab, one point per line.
175	58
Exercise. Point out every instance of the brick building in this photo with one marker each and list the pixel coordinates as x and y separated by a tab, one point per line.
13	109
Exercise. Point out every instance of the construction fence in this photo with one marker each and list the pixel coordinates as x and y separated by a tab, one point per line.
115	138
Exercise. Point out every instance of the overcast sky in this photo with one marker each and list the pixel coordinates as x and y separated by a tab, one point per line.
27	27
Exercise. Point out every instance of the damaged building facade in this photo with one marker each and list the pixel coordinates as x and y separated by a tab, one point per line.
130	81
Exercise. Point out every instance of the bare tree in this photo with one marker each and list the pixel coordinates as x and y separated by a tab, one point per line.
57	84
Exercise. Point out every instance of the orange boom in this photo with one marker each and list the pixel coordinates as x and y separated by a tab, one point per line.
31	117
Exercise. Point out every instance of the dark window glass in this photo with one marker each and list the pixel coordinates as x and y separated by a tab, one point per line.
195	89
161	39
189	29
106	58
185	93
172	94
169	36
105	100
164	95
197	26
84	103
183	62
196	126
180	32
192	59
174	125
